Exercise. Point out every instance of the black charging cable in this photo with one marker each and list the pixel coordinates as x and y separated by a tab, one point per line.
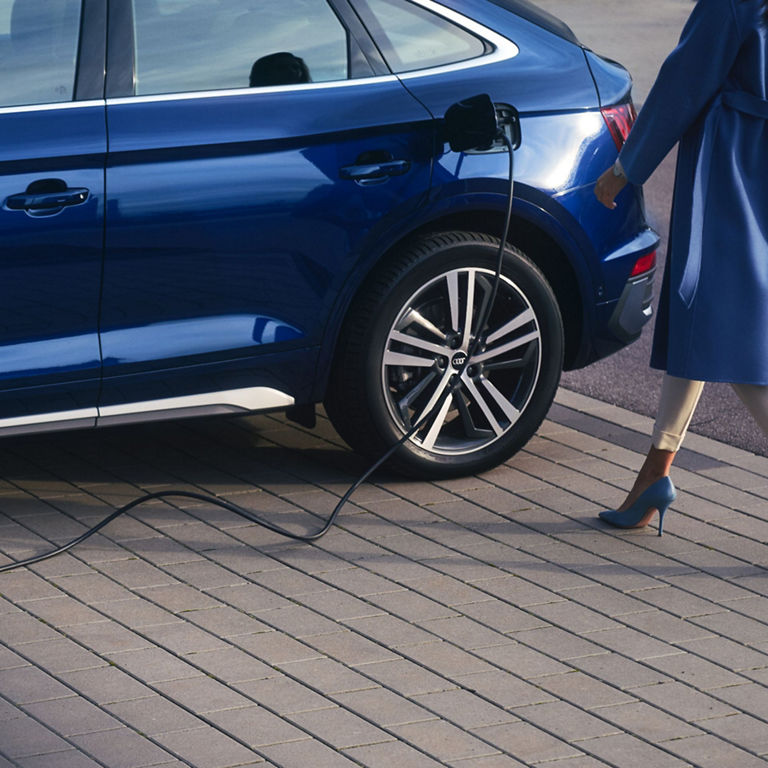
230	507
247	514
482	324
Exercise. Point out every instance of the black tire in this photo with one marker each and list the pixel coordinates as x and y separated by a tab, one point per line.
401	346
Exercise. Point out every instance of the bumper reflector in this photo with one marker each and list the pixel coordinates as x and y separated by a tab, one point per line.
644	264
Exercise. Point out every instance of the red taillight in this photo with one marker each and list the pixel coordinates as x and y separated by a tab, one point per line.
619	119
644	264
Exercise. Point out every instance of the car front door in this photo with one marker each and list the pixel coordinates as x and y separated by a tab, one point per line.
256	151
52	154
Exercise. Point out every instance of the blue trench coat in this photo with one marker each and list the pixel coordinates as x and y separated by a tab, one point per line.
712	322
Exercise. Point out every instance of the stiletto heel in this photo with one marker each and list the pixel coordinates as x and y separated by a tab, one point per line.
655	497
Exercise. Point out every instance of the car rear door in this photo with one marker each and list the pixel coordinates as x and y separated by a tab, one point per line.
52	154
256	150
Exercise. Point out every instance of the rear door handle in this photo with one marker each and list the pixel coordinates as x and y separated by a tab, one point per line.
375	172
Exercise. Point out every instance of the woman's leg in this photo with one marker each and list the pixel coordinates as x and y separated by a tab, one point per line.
755	397
677	403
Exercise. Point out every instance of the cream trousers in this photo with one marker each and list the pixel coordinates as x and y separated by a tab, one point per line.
678	402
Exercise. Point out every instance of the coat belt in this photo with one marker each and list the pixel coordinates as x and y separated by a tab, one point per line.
741	101
746	102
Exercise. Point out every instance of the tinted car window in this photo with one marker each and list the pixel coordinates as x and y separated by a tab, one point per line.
38	50
415	38
194	45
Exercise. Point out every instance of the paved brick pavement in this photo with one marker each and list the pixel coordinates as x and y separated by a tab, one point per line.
487	622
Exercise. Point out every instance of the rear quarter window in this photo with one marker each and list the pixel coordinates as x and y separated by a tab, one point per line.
412	37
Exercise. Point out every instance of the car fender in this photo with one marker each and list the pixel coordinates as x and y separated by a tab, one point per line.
455	206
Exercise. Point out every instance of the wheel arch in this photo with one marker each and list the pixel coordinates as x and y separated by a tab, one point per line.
549	255
533	230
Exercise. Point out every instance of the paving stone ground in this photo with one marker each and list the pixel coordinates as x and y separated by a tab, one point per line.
486	622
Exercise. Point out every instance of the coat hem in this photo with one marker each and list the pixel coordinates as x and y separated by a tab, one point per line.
757	382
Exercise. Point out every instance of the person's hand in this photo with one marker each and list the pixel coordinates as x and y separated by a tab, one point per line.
608	186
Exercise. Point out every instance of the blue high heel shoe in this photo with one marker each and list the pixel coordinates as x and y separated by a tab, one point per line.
655	497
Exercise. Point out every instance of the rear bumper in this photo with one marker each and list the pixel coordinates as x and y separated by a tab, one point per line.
633	310
620	320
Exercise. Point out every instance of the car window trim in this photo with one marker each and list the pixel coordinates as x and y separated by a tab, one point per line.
248	92
359	64
359	33
120	48
49	106
92	52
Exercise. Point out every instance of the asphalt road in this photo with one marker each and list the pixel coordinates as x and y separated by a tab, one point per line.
640	35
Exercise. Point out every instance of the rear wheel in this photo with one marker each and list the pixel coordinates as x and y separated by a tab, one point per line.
402	357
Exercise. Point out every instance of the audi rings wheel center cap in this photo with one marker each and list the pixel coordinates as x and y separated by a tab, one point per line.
458	360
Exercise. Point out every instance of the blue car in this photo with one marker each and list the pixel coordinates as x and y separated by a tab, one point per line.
229	206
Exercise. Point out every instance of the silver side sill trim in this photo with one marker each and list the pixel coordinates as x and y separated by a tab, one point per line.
49	422
207	404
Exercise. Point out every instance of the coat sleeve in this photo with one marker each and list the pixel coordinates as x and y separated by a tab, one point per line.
688	80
